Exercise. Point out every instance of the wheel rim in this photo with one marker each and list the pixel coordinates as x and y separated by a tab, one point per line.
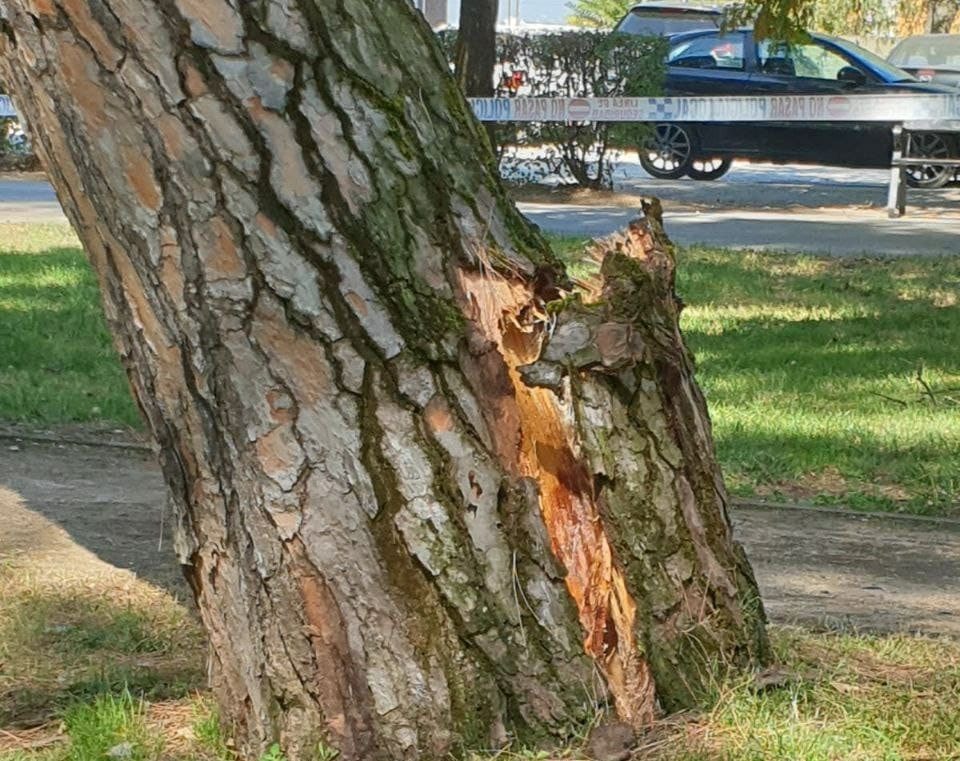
669	148
928	146
707	166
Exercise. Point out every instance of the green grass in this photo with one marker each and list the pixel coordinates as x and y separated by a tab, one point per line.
810	369
57	363
110	723
93	658
810	365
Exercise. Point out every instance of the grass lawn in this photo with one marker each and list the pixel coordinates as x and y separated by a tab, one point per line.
811	371
57	363
128	678
810	365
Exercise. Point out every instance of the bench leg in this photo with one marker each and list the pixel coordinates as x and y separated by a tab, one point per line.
897	198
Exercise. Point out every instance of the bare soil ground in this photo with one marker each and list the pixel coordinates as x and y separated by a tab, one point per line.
102	505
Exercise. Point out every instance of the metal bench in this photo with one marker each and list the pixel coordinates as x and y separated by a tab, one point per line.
902	138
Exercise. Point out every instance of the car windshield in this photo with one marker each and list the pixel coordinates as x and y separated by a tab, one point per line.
668	21
887	71
940	51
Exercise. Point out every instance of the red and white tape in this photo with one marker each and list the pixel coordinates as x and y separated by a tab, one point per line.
893	108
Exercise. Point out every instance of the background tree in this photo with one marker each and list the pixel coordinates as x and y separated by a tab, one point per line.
427	497
776	18
598	14
784	19
476	51
928	16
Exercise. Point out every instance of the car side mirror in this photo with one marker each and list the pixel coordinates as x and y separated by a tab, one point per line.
852	76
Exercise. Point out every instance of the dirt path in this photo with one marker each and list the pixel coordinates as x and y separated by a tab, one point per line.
79	503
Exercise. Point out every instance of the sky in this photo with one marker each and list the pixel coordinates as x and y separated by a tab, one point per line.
534	11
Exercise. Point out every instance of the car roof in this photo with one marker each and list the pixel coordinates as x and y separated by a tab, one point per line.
931	37
681	36
713	10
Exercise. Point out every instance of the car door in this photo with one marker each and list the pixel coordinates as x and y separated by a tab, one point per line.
816	68
713	64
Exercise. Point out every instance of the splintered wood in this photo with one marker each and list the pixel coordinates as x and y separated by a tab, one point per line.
547	450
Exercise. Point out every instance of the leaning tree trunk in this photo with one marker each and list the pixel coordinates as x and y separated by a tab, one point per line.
426	498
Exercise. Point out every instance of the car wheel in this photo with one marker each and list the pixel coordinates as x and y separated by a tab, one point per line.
705	170
934	146
667	153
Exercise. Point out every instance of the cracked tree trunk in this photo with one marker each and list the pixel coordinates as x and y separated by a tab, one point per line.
426	498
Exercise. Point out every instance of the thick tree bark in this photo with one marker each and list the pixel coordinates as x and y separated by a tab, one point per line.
421	508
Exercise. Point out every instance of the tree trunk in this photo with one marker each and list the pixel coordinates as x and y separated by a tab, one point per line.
476	53
421	509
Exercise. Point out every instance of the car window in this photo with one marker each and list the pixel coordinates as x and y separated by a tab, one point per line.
710	52
942	50
800	60
668	22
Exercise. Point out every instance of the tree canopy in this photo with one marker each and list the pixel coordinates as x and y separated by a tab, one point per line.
772	18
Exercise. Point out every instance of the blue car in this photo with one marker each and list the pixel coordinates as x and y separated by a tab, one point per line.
734	63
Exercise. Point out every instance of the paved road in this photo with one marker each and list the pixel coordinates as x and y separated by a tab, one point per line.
842	232
812	209
784	186
765	206
813	567
28	199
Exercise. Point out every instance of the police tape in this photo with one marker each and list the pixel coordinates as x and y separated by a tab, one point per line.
7	111
893	108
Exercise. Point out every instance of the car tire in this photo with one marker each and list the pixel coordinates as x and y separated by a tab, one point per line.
707	170
933	145
668	151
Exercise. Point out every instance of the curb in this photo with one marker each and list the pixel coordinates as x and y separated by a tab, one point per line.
846	512
40	438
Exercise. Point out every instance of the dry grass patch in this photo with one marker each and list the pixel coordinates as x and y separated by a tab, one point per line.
71	634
